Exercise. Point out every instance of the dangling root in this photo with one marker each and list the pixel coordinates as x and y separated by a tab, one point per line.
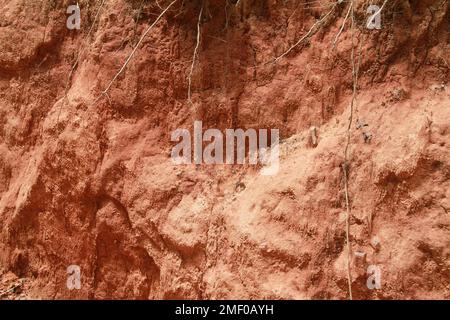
378	12
80	53
343	25
345	165
104	92
194	56
310	33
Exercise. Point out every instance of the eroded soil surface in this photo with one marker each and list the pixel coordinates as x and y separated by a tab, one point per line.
86	179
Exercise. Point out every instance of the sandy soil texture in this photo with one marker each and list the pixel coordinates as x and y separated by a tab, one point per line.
87	179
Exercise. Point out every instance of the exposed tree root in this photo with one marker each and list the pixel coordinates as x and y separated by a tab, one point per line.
346	164
104	92
80	53
194	57
311	32
343	25
16	285
445	61
377	13
136	21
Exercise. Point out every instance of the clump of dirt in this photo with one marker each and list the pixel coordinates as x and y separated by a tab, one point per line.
87	179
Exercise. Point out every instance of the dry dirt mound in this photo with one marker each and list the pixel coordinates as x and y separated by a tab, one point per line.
86	179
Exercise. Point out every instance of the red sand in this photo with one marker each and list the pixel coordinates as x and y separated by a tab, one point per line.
92	184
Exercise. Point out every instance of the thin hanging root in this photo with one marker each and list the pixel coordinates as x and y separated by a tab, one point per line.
79	54
358	66
378	12
194	57
343	25
347	230
157	3
307	35
87	36
16	285
137	20
345	165
104	92
445	61
134	29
